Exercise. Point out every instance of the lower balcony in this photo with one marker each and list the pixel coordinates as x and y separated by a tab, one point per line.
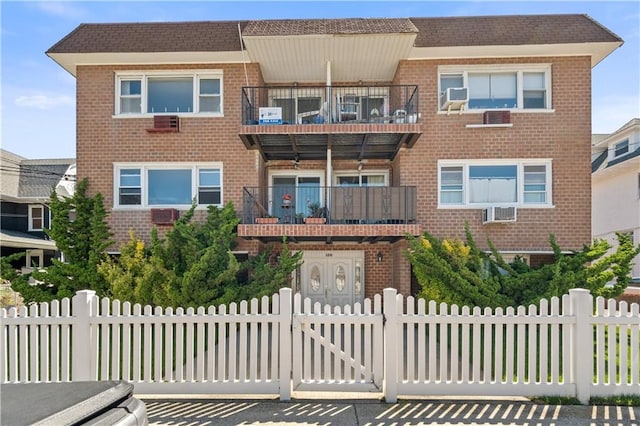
329	214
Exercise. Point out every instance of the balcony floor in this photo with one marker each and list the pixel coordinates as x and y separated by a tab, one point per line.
328	234
347	141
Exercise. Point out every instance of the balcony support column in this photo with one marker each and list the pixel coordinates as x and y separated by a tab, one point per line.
328	94
328	183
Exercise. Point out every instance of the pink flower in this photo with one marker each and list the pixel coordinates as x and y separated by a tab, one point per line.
286	197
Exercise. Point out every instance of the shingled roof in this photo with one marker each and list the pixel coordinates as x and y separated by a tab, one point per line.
211	36
222	36
510	30
289	27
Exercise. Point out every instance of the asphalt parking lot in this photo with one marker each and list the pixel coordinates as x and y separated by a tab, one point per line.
375	413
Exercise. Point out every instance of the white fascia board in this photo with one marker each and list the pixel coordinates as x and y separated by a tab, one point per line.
597	51
70	61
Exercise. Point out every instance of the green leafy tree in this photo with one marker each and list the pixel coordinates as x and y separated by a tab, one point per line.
81	233
458	272
268	277
9	274
194	265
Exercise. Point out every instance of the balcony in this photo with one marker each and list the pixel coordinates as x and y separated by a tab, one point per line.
329	214
354	122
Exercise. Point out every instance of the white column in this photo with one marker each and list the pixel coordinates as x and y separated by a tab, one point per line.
391	337
285	343
82	347
582	343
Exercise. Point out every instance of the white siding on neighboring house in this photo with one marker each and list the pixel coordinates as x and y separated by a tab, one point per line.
615	189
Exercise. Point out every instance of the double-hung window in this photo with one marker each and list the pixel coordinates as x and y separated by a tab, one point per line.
621	148
167	185
484	183
181	92
523	87
36	217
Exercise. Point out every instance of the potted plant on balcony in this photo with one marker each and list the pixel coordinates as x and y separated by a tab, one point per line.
317	214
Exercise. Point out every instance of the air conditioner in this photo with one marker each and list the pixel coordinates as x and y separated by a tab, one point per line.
496	214
496	117
165	123
164	216
454	98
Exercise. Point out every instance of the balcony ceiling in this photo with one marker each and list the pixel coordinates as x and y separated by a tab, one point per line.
366	57
313	145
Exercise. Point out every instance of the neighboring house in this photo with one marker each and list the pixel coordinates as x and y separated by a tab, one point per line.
615	185
25	190
382	127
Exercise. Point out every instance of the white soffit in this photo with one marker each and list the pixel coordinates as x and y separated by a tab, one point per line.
597	51
70	61
367	57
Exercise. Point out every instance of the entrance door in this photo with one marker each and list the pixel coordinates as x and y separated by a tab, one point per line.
333	277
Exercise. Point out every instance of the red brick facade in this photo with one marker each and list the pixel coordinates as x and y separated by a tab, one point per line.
561	134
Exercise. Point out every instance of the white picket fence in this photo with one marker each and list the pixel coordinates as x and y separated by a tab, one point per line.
282	344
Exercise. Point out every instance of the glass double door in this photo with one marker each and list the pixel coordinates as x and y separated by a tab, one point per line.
333	277
304	191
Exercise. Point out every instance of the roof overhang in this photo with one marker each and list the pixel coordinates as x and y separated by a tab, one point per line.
366	57
597	51
15	240
70	61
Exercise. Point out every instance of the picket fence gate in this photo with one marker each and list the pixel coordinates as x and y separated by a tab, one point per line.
564	346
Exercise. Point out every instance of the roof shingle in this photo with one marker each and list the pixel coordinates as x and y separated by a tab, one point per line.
222	36
211	36
510	30
288	27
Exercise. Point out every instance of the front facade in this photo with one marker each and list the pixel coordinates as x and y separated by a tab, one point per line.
25	190
349	134
616	186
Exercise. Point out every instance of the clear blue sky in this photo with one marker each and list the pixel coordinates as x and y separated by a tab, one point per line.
38	96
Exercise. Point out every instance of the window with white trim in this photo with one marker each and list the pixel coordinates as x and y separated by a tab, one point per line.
494	182
500	87
34	259
167	185
36	217
621	148
169	93
361	179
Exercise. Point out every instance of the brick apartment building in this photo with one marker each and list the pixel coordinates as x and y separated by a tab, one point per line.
378	128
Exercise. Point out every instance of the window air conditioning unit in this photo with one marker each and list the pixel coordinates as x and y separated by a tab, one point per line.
454	98
165	123
496	117
498	215
164	216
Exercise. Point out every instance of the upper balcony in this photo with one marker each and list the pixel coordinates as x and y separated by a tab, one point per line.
354	122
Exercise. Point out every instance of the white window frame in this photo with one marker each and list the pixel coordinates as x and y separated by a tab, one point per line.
519	163
145	167
615	147
34	254
360	174
31	217
144	76
295	174
519	69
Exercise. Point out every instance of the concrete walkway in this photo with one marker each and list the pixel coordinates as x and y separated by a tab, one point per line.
374	413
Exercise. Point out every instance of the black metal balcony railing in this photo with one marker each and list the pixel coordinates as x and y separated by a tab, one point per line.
330	104
333	205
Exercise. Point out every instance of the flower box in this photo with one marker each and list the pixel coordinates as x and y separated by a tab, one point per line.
315	220
266	220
